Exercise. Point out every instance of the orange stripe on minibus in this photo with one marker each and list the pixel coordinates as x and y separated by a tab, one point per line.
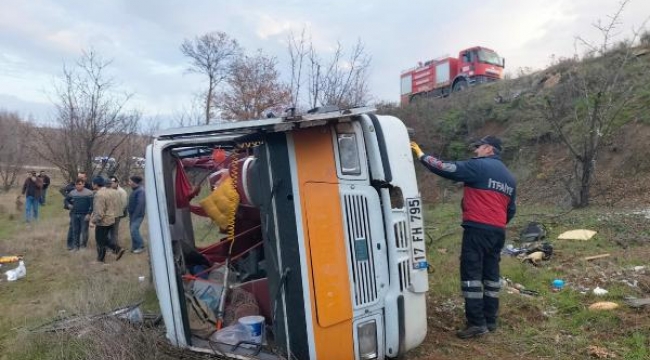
325	244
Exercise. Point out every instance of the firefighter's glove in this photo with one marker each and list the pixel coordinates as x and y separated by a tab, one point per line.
416	150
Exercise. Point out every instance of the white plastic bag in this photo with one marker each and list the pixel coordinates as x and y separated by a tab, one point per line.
598	291
231	335
17	273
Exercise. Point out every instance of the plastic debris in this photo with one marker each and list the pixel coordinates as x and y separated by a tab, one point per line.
637	303
17	273
513	251
599	291
134	315
231	335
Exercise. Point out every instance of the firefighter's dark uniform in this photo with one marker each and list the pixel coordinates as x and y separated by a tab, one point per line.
488	205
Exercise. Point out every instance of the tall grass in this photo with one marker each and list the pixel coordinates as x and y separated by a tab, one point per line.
60	283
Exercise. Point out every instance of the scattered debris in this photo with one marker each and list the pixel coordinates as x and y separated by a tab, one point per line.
516	288
513	251
600	352
637	303
594	257
633	283
579	234
17	273
534	258
603	305
536	254
582	290
598	291
534	231
10	259
131	314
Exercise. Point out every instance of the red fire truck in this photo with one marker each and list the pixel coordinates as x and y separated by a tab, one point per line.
439	77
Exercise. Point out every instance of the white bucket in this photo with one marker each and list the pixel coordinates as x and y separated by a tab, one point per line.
255	327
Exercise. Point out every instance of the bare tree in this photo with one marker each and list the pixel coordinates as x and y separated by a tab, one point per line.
298	51
13	153
589	102
91	116
192	113
253	88
342	80
210	54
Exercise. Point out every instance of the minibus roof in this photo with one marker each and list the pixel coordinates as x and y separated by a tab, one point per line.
265	125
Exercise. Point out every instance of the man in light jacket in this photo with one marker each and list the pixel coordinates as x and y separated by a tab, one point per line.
123	202
105	209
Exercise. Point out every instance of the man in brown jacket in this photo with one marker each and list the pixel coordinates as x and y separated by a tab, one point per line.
105	209
114	185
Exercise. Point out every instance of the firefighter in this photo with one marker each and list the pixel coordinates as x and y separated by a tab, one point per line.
488	205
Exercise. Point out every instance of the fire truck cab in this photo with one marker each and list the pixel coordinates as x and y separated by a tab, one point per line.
323	236
442	76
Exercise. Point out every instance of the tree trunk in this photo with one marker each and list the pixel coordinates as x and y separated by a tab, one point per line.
208	102
585	183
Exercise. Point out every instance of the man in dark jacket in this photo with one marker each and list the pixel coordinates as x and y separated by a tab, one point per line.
66	190
488	205
46	184
80	203
136	209
32	188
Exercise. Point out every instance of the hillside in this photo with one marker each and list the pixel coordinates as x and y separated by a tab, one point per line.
513	109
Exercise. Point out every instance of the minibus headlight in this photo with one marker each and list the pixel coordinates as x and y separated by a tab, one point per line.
367	340
349	154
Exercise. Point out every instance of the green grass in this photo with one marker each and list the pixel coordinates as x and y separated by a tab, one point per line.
59	283
557	325
638	344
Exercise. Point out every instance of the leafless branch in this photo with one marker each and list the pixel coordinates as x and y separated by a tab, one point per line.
210	55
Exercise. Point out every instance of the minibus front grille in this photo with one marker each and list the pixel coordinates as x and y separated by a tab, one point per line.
401	238
404	274
361	250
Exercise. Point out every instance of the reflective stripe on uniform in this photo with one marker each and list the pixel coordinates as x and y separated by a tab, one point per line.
472	295
492	294
471	283
492	284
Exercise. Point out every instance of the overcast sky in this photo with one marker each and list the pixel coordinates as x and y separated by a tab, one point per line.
143	37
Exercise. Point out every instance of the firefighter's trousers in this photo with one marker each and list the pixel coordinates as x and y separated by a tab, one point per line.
479	274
